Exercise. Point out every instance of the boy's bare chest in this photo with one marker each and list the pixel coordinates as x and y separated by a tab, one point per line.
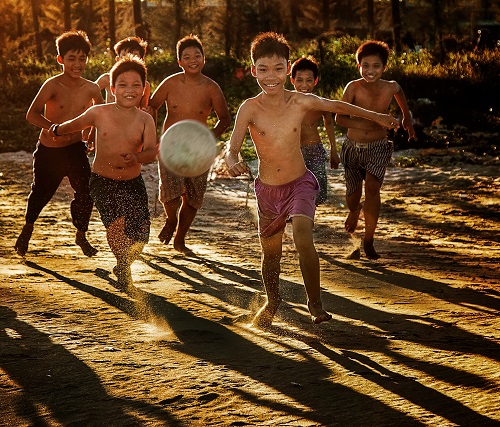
373	99
68	104
121	128
189	100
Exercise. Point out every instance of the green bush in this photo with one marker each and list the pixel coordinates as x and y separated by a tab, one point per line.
462	90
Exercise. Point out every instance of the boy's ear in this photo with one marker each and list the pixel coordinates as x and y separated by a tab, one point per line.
316	81
252	70
289	67
59	59
112	89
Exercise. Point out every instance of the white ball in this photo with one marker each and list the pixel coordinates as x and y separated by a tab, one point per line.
187	148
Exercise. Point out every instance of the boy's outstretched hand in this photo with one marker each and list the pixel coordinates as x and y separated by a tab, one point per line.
387	121
238	169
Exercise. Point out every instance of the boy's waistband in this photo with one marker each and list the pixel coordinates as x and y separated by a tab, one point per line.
366	144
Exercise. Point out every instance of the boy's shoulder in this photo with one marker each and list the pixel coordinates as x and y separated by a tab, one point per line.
173	78
103	80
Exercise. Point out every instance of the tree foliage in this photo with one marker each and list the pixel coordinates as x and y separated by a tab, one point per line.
227	26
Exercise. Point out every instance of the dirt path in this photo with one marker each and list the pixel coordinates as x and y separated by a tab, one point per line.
415	337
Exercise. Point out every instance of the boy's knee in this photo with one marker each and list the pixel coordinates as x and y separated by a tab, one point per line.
372	186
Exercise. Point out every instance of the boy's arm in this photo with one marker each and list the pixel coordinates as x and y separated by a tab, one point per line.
345	108
237	136
35	113
83	121
221	110
157	99
330	132
88	135
346	120
159	95
150	146
145	97
407	119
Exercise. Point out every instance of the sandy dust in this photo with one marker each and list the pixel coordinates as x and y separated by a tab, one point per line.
414	340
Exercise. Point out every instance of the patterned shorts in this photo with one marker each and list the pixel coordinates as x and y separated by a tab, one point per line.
359	158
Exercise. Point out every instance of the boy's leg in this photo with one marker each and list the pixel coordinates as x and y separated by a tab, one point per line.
271	258
309	266
187	214
171	208
372	211
46	179
125	250
82	204
353	203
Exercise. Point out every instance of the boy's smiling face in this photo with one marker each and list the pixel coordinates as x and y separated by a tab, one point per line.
128	89
73	62
271	73
304	81
191	60
371	68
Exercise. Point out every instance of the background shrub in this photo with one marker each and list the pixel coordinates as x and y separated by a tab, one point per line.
463	90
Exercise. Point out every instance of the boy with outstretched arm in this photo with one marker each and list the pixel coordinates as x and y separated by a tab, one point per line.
125	139
367	152
304	77
134	46
285	189
187	95
61	98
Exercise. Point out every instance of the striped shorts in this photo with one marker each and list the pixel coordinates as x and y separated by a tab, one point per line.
359	158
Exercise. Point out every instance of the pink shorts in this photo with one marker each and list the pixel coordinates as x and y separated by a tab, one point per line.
276	204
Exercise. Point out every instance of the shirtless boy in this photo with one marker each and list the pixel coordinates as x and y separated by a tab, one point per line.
61	98
134	46
304	77
125	138
187	95
285	188
367	151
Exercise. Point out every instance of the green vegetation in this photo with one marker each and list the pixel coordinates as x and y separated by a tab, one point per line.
462	90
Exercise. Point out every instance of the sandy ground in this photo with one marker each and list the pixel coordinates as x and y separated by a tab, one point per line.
414	340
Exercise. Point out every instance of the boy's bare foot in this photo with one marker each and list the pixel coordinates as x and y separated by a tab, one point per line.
183	249
351	221
23	240
318	315
370	251
82	241
355	254
167	232
123	276
265	315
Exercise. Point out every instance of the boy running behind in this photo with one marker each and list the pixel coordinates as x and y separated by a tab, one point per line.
61	98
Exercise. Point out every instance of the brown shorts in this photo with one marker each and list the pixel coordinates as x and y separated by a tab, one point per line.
174	186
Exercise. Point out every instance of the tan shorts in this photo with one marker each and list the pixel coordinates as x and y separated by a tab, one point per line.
174	186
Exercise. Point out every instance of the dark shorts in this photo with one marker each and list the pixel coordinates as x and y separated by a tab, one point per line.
50	166
276	204
315	159
128	198
359	158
